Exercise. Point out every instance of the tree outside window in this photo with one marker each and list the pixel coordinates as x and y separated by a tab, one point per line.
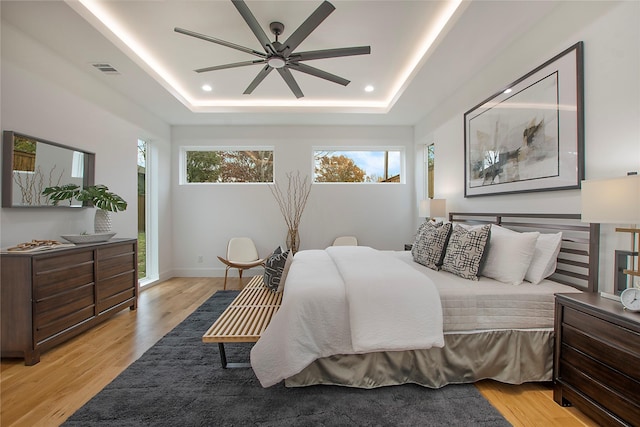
370	166
228	166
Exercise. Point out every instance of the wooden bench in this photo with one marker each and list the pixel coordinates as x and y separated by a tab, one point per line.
245	319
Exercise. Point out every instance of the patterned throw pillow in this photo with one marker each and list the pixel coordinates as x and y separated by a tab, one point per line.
274	267
465	250
430	244
285	272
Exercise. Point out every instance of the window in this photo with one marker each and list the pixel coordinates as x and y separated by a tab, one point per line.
147	214
430	163
372	166
142	209
220	165
77	165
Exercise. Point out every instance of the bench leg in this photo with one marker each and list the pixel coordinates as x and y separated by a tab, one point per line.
223	359
223	355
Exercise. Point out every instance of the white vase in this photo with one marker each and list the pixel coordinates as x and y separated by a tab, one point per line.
102	221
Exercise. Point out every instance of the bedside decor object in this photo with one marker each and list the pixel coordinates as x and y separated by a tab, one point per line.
292	204
97	195
80	239
432	209
529	136
36	245
630	298
615	201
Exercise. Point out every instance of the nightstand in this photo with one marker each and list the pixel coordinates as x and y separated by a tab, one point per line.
597	358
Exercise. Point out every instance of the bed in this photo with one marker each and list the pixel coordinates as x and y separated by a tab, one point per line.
398	321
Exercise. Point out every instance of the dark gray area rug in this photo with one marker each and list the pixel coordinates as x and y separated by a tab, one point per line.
179	382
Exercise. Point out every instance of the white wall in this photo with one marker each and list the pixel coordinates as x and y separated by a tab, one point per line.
611	35
60	106
206	216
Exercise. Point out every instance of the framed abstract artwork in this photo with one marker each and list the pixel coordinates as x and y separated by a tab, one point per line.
530	135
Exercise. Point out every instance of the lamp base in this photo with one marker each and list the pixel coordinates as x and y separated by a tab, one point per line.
610	296
632	272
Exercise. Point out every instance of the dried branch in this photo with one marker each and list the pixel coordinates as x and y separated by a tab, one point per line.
293	202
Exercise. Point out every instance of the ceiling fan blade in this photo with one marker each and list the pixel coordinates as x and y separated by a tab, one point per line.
303	68
252	22
259	78
234	65
330	53
218	41
310	24
290	81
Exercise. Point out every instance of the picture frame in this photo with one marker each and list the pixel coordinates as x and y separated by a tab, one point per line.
529	136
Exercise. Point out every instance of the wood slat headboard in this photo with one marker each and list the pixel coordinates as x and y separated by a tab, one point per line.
578	260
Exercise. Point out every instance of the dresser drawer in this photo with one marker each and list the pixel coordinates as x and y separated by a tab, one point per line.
115	290
57	314
115	285
623	405
117	265
604	350
60	281
615	379
48	264
111	251
113	300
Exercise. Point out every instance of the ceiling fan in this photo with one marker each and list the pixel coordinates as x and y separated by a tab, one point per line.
281	56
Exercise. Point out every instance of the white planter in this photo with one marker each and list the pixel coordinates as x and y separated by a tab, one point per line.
102	221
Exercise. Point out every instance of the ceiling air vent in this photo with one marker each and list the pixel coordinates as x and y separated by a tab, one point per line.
105	68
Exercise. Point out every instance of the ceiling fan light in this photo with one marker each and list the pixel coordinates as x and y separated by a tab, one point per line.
276	62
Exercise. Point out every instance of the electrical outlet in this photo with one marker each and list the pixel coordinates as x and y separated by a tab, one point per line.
200	259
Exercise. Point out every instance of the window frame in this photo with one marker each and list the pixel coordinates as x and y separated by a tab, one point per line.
182	167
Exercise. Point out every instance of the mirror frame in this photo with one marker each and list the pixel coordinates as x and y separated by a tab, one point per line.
8	138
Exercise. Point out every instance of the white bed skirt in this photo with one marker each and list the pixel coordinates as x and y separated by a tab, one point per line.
509	356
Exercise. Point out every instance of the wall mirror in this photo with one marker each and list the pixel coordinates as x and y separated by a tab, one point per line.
30	164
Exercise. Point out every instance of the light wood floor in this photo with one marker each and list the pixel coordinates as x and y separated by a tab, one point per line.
46	394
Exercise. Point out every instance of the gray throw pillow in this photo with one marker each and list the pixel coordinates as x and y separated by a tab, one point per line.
430	244
465	251
274	267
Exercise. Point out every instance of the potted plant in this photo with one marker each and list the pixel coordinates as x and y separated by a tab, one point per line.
96	195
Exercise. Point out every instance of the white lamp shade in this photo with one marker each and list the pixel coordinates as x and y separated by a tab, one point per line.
612	201
432	208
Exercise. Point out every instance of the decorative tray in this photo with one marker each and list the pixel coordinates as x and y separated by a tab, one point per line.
36	246
88	238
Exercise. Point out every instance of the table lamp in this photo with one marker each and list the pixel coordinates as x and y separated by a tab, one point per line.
433	208
615	201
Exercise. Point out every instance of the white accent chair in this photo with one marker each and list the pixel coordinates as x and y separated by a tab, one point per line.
345	241
241	254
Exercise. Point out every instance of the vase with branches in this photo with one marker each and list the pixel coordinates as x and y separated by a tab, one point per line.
292	200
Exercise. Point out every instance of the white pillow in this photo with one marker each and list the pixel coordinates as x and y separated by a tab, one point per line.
509	255
545	258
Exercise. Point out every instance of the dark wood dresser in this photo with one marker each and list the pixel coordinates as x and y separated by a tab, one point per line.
597	358
53	295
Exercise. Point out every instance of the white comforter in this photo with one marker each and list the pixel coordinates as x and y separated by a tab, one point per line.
345	300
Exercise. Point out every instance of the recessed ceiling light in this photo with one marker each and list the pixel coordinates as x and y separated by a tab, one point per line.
368	88
207	88
508	90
